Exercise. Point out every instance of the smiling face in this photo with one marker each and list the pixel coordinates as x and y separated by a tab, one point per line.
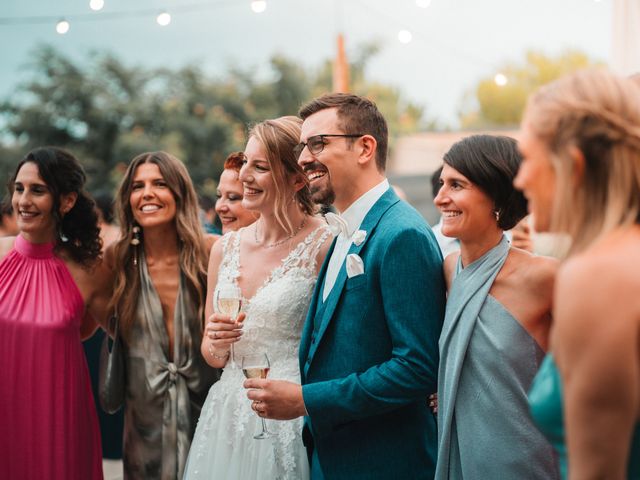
152	201
467	212
229	203
33	203
330	170
536	177
257	180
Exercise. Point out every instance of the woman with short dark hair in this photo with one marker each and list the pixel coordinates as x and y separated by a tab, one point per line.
51	288
496	324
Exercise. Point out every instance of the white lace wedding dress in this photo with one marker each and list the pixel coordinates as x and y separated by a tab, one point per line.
223	446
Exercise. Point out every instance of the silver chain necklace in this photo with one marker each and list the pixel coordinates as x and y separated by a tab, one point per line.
279	242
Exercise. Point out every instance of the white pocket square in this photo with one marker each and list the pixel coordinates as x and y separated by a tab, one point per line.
355	265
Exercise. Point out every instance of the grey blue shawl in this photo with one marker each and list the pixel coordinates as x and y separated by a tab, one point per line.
487	363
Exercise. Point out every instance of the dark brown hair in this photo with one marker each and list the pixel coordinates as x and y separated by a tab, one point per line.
63	174
192	252
491	163
357	115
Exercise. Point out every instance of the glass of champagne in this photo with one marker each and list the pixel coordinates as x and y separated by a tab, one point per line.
257	366
228	301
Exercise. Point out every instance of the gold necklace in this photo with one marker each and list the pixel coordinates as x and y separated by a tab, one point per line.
279	242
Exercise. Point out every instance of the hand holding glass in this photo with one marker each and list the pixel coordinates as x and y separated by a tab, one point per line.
228	301
257	366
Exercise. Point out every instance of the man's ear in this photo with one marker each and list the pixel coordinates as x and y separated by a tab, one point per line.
368	147
67	201
579	164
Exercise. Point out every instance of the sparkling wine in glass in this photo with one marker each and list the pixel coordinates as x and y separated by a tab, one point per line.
228	301
257	366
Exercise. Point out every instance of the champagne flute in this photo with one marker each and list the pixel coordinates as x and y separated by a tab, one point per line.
228	301
257	366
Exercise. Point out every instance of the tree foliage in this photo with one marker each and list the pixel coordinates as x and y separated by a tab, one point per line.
107	112
495	106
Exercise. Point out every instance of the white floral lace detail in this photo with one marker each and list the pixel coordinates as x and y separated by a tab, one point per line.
275	316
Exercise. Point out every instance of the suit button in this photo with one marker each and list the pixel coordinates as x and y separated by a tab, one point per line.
313	339
308	362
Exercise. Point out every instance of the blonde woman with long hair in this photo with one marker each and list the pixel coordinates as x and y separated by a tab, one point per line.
159	294
580	140
274	262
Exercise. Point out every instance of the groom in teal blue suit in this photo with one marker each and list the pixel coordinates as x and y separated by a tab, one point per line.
369	348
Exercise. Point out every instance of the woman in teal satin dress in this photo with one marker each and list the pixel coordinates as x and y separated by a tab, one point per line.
580	140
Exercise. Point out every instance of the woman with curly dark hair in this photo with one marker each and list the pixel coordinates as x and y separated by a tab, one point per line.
52	286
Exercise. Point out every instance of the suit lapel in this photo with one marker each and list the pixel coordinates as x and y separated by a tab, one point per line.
307	330
369	224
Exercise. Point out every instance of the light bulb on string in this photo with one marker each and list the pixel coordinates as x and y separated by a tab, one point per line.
62	27
405	36
258	6
96	5
423	3
163	19
500	79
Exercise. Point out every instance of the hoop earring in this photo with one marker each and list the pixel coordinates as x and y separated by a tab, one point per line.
135	241
63	237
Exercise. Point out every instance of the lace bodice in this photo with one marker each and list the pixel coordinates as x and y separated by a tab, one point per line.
276	312
223	446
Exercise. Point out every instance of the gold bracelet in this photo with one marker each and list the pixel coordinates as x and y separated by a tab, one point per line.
218	357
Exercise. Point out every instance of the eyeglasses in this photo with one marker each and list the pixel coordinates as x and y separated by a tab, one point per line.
316	143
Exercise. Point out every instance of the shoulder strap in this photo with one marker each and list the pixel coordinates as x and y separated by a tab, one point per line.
305	253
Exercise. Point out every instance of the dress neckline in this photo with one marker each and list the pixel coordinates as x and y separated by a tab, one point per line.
33	250
279	269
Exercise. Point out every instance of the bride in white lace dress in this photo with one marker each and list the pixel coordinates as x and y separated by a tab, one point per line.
275	264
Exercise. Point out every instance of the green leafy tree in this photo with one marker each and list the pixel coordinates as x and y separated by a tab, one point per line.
492	105
107	112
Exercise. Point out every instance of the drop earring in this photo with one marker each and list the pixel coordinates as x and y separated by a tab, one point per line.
135	241
63	237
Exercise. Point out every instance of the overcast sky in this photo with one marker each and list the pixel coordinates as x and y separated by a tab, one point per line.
455	42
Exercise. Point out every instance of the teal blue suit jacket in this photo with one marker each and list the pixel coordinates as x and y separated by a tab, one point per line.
369	353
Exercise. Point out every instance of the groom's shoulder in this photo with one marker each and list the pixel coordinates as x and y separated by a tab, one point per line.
402	217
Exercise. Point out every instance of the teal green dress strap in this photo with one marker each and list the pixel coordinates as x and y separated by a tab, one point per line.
546	404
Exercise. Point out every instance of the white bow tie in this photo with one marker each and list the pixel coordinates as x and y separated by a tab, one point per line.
337	224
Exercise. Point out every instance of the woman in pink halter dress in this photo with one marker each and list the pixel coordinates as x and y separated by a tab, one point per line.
48	274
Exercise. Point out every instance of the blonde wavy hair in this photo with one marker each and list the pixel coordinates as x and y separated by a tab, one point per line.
598	113
278	137
192	251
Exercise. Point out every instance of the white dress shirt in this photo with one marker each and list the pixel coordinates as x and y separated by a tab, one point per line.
354	215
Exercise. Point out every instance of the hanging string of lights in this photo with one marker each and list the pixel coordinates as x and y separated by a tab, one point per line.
163	18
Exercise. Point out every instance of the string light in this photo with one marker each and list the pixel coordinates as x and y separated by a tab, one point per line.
501	79
258	6
62	27
163	19
405	36
423	3
96	5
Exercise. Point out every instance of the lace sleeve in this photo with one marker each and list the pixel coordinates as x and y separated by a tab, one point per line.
229	268
324	232
305	253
